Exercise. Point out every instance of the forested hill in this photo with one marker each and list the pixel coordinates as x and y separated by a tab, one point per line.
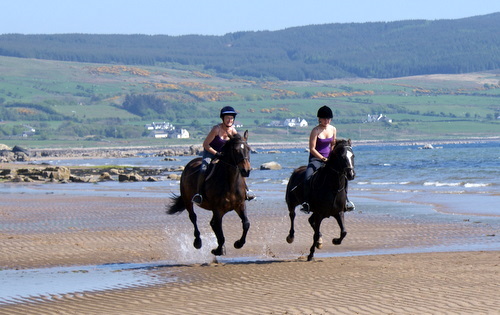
377	50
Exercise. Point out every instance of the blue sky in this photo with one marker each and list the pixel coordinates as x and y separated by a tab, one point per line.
217	17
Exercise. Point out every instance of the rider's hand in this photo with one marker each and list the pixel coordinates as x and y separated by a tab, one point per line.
324	159
218	154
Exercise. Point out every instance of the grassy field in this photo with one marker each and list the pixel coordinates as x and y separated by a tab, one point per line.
91	95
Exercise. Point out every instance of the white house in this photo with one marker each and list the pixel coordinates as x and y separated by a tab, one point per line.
160	126
166	130
378	118
295	122
181	134
29	131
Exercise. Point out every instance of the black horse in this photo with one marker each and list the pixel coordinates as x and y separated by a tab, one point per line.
327	194
225	190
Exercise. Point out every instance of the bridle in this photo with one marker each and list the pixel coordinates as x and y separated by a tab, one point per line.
346	169
234	160
342	173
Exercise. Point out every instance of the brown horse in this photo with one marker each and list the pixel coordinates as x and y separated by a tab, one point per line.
327	194
224	190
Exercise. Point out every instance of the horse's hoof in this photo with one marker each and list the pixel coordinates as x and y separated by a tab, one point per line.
238	244
310	258
337	241
319	244
197	243
218	251
290	239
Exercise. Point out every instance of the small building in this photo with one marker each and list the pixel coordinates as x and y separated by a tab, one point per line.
166	130
29	131
291	122
378	118
159	126
295	122
181	134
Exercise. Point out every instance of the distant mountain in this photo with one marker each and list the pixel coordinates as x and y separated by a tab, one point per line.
315	52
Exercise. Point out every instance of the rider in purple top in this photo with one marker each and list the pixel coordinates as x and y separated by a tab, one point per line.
323	146
321	142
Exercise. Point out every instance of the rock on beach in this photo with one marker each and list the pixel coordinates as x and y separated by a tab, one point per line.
270	166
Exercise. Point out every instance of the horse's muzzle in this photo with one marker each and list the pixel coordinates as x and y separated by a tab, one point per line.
244	167
350	173
245	172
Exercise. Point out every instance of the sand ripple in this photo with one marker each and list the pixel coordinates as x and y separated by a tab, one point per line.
266	276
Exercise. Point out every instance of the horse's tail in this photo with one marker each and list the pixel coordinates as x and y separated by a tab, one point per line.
177	206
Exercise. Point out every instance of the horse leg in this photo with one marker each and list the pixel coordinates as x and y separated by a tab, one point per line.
319	243
192	217
291	234
246	225
340	220
216	224
315	222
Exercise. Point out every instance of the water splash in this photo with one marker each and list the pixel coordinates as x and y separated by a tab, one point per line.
180	247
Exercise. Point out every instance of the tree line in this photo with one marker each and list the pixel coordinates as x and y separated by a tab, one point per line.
315	52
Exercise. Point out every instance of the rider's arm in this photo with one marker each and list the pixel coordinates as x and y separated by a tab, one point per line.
210	137
312	144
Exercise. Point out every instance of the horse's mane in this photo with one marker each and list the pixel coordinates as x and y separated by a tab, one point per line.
338	143
342	142
235	138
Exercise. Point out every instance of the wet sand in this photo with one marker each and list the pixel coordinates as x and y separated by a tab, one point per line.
388	264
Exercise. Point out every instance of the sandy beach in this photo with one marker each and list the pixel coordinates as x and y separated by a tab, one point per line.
266	276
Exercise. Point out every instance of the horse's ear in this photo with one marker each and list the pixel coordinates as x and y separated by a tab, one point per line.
349	142
245	135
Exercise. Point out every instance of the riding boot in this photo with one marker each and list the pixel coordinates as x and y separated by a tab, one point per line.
305	205
349	205
250	195
198	198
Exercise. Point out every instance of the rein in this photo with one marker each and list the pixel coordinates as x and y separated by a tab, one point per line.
342	174
233	159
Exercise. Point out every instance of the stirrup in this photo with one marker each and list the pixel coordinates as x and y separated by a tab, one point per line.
250	195
305	208
197	199
349	206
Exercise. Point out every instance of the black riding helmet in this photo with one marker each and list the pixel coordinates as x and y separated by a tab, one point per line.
325	112
227	110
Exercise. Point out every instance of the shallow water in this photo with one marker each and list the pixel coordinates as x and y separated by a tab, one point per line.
50	283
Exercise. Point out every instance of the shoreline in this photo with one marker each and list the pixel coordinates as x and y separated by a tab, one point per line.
195	149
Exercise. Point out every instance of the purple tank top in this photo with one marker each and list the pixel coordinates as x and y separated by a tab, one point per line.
323	146
218	143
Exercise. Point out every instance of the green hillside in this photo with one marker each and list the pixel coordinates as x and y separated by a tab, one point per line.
314	52
84	104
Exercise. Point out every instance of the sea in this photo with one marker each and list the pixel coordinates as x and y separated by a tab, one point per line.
457	178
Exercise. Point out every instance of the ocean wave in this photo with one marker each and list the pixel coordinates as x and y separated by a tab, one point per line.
383	183
475	185
381	164
457	184
441	184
